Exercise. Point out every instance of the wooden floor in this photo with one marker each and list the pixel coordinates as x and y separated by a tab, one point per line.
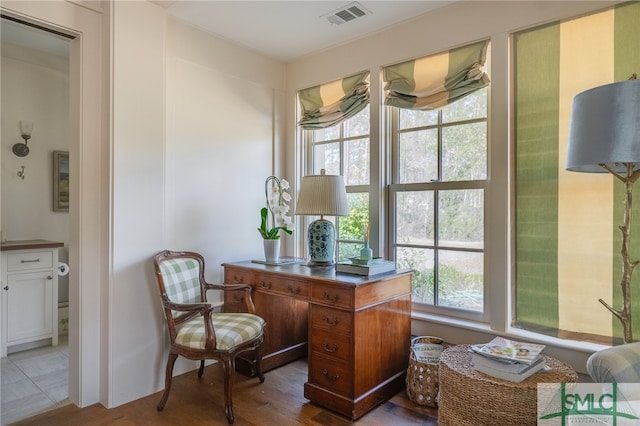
277	401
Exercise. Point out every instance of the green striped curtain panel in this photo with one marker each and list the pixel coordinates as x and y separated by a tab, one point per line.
435	81
331	103
566	234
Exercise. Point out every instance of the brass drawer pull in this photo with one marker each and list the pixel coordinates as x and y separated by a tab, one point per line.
30	261
331	348
330	298
238	299
238	280
293	291
333	378
265	284
329	322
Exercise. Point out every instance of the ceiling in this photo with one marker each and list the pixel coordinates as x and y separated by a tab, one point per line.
283	30
287	30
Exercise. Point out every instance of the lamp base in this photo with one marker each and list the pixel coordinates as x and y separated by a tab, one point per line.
322	242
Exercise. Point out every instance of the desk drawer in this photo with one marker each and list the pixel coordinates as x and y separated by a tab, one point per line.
333	320
331	344
332	296
27	261
331	374
274	284
234	276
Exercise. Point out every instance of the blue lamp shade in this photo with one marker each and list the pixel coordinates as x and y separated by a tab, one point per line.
605	128
322	195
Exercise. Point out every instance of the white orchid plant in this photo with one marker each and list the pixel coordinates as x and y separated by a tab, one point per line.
274	217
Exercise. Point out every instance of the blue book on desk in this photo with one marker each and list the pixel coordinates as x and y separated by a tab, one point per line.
376	266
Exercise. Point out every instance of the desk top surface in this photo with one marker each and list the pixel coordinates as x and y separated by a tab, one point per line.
319	273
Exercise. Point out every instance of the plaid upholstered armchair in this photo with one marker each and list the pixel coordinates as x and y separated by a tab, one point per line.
196	332
617	364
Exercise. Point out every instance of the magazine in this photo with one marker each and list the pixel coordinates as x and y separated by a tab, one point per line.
513	376
427	352
495	364
510	350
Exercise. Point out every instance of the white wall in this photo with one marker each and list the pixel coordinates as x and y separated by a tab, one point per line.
221	106
35	87
192	143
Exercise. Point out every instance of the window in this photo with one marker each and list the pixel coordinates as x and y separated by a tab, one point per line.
343	149
567	241
439	171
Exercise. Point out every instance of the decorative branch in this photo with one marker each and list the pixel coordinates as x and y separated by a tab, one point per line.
628	266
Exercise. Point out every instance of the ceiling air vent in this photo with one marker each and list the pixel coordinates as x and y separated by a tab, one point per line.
346	13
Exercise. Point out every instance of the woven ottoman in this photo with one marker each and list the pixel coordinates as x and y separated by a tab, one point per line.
468	397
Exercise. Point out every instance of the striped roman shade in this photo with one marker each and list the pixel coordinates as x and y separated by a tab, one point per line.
435	81
566	234
331	103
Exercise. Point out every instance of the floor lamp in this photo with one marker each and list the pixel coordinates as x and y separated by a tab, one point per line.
322	195
604	136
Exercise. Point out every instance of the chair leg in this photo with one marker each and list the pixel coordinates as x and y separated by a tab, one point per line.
167	380
201	370
229	372
259	353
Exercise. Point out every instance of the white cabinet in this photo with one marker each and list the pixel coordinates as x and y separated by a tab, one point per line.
29	293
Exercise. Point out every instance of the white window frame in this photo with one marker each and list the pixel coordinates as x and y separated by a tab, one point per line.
392	115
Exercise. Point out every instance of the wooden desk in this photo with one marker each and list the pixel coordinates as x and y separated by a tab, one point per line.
355	330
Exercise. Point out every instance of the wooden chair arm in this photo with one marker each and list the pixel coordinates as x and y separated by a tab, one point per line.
190	310
226	287
248	299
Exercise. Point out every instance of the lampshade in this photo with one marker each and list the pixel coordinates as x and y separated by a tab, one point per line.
322	195
605	128
26	127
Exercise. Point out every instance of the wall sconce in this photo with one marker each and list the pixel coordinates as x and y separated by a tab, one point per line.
21	149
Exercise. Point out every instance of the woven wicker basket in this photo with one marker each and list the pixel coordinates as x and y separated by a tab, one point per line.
422	377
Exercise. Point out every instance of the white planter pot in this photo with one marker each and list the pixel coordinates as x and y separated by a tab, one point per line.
271	250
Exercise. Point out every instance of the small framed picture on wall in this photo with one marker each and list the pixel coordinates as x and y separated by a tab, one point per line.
60	181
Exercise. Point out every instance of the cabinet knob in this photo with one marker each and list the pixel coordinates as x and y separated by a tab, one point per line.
330	348
293	290
6	287
265	284
326	296
329	322
330	377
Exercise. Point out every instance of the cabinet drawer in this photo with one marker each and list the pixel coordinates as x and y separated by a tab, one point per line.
234	276
332	296
330	319
281	285
27	261
331	344
331	374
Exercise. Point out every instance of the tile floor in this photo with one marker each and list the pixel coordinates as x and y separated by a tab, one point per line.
34	381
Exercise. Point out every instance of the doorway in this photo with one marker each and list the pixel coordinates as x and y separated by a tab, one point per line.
35	90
